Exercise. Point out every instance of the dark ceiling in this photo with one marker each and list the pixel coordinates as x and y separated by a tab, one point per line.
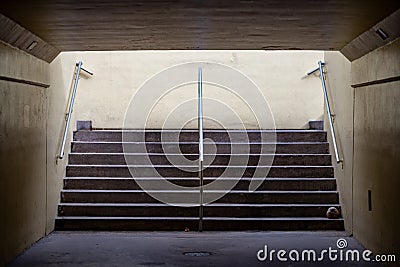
197	24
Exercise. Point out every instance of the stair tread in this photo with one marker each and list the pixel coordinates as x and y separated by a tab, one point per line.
205	178
194	191
194	154
208	205
207	130
204	218
196	166
196	143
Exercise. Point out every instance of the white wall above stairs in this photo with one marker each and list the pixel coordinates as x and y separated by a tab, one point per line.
280	75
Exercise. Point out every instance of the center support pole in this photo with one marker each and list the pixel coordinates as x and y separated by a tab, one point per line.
201	145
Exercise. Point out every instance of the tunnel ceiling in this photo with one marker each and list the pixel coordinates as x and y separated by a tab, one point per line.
197	24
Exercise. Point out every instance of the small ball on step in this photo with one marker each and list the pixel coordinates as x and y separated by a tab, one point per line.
187	229
332	213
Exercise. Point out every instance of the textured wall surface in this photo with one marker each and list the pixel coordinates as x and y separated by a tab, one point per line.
376	149
23	112
341	97
102	25
365	103
17	36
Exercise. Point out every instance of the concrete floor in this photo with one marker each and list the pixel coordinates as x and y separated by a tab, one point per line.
168	248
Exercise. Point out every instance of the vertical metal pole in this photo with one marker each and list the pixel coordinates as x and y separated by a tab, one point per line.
71	104
328	110
201	156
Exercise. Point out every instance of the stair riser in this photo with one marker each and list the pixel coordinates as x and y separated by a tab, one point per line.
208	211
119	159
180	225
105	136
117	184
244	198
114	171
282	148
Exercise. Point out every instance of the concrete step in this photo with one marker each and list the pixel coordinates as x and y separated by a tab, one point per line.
99	193
192	135
235	196
283	184
192	171
192	148
210	210
209	223
221	159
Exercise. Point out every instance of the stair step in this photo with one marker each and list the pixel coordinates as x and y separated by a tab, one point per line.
192	148
192	136
234	196
192	171
117	183
100	194
221	159
209	223
210	210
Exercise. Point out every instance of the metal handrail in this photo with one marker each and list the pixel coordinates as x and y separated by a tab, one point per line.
328	108
71	105
201	144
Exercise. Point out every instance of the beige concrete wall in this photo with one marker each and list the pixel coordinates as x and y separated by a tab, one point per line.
61	83
341	97
104	98
32	121
23	112
368	131
376	150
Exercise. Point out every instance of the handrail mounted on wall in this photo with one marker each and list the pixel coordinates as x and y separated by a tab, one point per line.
71	105
328	108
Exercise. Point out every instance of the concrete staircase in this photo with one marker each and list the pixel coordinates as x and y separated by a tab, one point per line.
100	194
